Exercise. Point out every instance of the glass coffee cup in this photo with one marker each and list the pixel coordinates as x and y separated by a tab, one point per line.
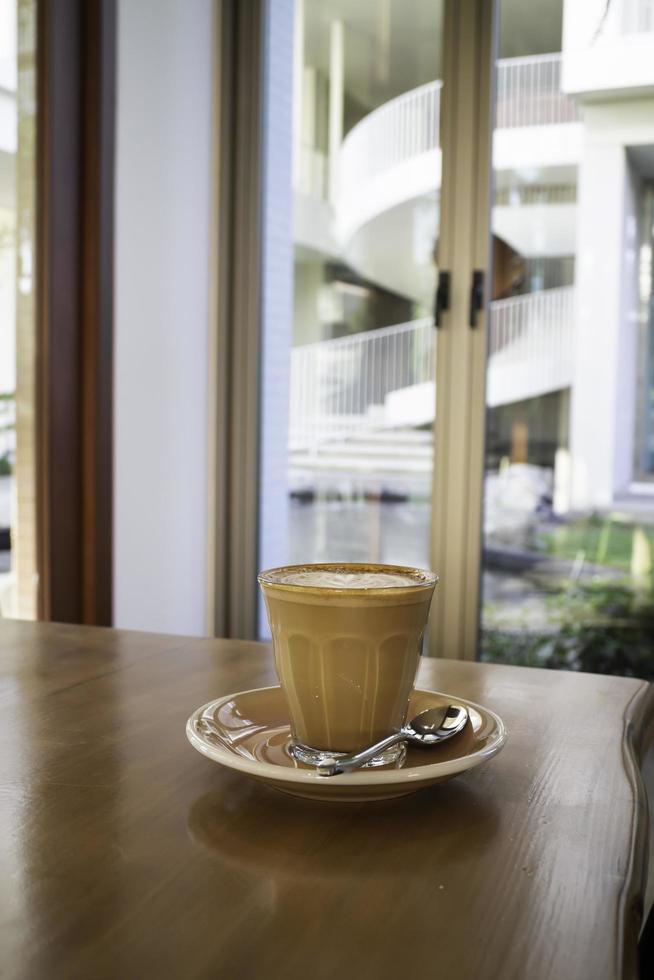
347	640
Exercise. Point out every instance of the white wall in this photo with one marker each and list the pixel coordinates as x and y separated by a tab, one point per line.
163	206
603	392
607	48
537	147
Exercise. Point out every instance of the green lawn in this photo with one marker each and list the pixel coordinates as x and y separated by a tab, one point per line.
603	541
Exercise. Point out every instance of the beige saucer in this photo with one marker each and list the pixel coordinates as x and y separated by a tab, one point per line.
252	735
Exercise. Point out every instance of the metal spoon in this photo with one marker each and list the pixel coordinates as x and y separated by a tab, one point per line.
428	728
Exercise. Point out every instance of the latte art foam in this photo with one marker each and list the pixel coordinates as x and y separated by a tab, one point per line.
331	579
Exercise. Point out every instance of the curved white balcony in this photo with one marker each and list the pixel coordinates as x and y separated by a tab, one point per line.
402	137
340	388
529	93
389	169
392	151
354	389
530	346
392	156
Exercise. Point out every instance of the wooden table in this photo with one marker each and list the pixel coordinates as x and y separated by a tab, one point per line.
126	854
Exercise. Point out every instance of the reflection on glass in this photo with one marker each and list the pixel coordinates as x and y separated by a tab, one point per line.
361	381
569	506
17	334
363	359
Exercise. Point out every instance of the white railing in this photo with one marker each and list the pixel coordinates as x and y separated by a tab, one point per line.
340	388
529	93
521	194
530	345
398	130
532	315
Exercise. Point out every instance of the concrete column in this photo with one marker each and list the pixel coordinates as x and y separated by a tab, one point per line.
298	80
307	135
309	281
603	392
336	98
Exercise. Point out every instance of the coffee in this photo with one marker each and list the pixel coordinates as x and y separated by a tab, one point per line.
347	642
339	578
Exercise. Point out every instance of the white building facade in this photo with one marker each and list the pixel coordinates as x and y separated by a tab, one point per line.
573	158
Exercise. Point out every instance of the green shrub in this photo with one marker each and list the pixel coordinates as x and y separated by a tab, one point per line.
604	628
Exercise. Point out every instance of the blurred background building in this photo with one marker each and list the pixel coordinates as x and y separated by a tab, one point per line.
564	348
569	460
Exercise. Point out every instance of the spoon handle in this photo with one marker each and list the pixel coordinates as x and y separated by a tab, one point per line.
357	759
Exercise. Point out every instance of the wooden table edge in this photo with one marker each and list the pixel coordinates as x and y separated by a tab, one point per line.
638	734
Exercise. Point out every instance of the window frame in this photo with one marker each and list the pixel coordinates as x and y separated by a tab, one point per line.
76	70
466	127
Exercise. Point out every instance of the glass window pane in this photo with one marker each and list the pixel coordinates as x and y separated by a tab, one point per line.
18	573
358	376
569	488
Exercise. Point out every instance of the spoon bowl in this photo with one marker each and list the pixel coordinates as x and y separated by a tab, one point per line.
430	727
435	725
